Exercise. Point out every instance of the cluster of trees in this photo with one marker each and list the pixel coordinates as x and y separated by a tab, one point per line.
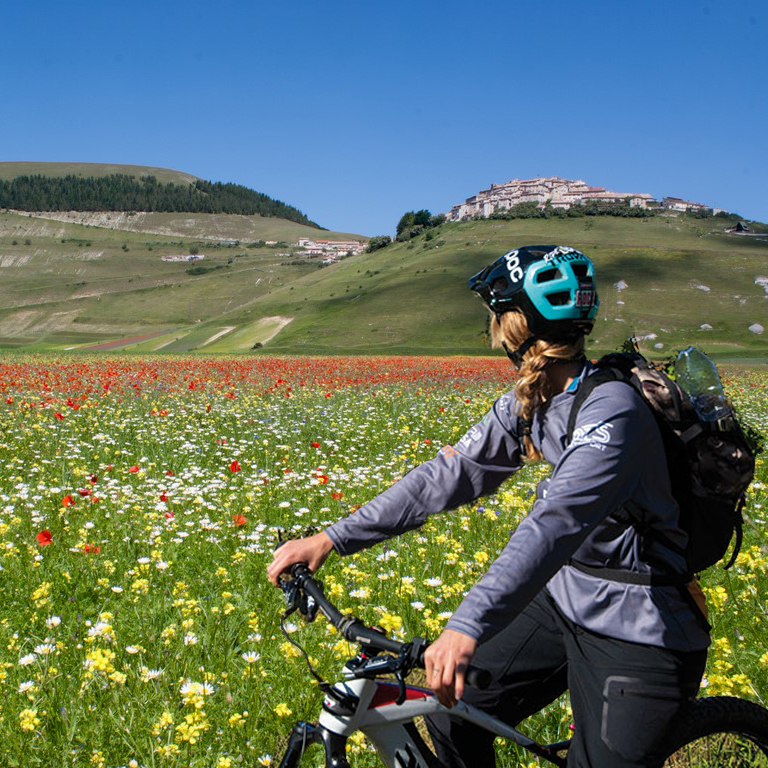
375	243
532	211
120	192
413	223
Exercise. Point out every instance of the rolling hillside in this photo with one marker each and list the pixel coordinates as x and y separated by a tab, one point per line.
64	284
104	280
681	275
96	170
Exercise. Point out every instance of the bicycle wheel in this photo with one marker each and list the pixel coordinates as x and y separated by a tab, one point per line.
720	732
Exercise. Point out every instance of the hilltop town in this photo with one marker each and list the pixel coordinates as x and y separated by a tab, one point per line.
559	193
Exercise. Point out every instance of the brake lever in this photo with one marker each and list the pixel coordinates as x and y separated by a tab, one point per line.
309	608
298	600
401	682
292	595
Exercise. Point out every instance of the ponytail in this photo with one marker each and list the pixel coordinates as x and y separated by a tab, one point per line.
533	386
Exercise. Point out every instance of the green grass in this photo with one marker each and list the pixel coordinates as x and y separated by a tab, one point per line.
65	283
409	298
413	297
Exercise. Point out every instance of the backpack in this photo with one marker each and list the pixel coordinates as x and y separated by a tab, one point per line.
711	465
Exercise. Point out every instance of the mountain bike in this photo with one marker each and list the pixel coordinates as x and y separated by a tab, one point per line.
715	731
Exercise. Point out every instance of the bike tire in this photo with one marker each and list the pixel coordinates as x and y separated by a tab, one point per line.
720	732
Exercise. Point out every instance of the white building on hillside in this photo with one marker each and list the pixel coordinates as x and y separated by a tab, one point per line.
559	193
676	204
338	247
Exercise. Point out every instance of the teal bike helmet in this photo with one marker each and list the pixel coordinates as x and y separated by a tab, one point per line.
553	286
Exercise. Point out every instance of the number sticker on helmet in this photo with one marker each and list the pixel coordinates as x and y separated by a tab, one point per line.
585	298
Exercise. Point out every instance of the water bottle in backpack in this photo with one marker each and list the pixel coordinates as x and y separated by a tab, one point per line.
698	376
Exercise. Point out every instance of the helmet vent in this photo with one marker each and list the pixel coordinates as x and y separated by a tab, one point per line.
580	270
547	275
559	299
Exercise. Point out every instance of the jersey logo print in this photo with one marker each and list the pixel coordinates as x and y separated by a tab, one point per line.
596	435
474	435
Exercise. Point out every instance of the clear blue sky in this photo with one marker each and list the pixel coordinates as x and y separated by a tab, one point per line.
358	111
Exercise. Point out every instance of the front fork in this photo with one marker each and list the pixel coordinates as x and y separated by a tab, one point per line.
304	735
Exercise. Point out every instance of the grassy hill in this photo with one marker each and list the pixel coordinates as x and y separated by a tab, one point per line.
57	170
65	284
412	297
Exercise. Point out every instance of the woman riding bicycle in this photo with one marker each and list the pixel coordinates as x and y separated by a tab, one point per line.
543	619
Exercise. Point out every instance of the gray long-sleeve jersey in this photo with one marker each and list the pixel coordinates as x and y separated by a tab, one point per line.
616	456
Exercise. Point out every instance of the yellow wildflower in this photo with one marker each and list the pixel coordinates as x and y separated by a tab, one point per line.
193	726
28	719
282	710
237	720
390	622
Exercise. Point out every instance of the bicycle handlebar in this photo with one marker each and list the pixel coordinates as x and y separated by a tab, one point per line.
352	629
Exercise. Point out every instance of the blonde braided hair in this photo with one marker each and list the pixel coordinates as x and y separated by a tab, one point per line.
534	386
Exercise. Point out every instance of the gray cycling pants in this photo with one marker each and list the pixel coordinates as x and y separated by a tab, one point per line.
623	695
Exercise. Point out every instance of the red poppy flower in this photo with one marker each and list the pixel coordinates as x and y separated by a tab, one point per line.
89	550
92	479
168	473
58	417
169	515
163	497
67	501
84	492
44	538
322	479
234	466
134	470
239	521
315	445
337	496
9	401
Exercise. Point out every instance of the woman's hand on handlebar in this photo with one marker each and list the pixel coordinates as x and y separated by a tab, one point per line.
446	662
313	551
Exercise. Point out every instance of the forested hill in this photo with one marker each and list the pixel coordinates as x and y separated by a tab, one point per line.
122	192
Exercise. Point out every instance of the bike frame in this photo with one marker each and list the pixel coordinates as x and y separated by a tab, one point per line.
371	706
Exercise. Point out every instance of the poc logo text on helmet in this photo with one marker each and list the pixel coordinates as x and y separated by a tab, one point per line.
512	260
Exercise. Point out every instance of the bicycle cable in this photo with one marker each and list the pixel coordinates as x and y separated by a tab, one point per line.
325	686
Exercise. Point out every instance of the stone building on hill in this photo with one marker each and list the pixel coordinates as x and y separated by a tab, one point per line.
557	192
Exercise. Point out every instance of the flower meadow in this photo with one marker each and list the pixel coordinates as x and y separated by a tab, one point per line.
141	499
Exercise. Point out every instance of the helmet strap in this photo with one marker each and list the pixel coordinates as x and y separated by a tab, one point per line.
517	355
